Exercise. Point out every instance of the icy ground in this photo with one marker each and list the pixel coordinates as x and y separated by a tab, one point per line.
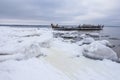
34	54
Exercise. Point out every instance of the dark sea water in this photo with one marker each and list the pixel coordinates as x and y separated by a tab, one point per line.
113	35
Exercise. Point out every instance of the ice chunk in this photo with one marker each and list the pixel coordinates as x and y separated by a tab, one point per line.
69	35
88	40
94	34
106	43
90	35
23	43
97	50
84	36
85	41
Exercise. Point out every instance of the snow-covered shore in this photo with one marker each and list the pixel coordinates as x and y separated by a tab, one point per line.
34	54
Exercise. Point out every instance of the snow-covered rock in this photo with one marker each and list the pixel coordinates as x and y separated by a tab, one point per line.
97	50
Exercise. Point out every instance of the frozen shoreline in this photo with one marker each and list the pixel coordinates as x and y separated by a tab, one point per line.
33	54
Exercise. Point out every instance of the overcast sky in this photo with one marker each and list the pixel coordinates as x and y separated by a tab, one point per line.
60	11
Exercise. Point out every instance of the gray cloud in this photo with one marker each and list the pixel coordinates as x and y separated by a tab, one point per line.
60	11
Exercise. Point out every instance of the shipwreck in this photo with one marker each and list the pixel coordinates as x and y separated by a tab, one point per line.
79	27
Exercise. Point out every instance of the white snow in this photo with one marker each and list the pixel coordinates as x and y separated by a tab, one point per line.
31	69
33	54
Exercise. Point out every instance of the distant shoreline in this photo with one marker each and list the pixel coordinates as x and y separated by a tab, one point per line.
21	25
